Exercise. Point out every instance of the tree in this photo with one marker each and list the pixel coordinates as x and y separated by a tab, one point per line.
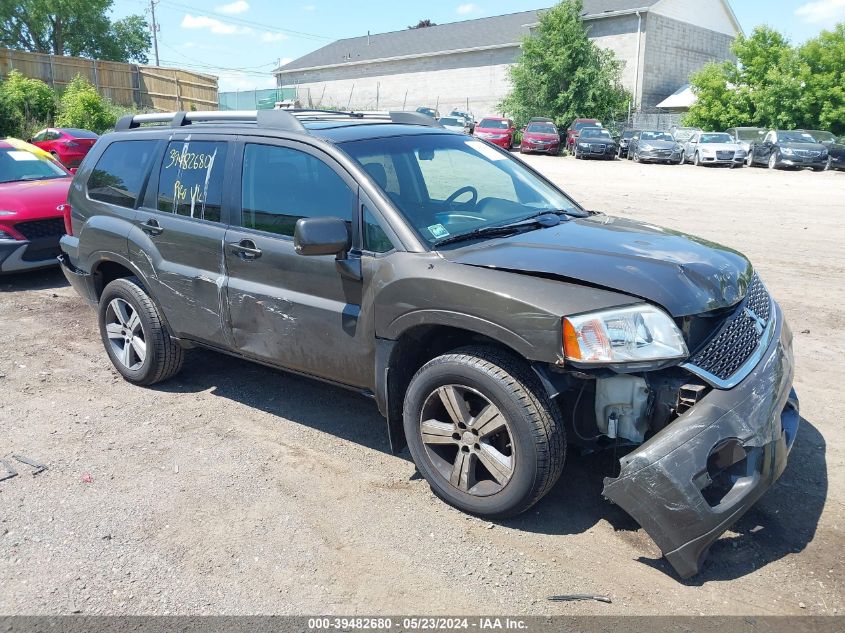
423	24
82	106
73	27
563	75
774	84
28	103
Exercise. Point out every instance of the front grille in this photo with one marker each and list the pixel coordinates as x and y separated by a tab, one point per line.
739	337
597	149
41	228
806	153
725	155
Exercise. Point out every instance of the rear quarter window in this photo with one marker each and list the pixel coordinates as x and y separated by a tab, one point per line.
191	179
119	174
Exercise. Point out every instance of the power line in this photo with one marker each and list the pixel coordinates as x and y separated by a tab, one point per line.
206	64
244	22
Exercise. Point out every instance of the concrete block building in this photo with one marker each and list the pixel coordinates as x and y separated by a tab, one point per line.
465	64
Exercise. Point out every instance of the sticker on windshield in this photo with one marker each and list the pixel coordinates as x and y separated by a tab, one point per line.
20	155
485	150
438	231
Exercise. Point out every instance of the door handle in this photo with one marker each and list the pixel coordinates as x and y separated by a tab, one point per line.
245	249
152	227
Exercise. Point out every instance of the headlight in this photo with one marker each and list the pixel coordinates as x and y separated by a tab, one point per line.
647	147
584	145
787	151
626	335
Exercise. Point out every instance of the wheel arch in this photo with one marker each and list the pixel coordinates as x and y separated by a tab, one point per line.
398	359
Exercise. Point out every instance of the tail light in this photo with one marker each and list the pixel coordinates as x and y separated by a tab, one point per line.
66	211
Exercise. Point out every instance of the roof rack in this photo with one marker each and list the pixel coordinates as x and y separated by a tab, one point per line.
281	119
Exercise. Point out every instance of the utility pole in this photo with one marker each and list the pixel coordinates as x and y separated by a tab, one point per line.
153	4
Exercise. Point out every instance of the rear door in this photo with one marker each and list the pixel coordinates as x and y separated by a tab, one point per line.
287	309
178	238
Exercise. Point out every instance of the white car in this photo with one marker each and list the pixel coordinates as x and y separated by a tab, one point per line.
713	148
455	124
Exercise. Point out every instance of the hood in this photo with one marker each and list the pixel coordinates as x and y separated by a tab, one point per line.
35	199
721	147
659	144
809	147
683	274
541	136
491	130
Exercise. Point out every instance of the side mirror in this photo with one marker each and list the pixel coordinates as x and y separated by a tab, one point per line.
321	236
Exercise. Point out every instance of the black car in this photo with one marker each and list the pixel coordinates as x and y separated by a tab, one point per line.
836	160
625	142
595	142
432	112
782	149
492	320
655	146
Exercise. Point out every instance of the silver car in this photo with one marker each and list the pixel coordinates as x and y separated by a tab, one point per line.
455	124
714	148
654	146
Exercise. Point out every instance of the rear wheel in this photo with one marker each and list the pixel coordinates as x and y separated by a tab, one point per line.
134	334
483	432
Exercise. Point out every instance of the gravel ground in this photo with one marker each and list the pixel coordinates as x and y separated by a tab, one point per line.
236	489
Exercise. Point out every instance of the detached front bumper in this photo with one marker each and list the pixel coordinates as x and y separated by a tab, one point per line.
694	479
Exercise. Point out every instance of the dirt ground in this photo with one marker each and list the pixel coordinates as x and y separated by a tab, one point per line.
236	489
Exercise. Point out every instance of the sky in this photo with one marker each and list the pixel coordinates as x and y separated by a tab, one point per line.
241	41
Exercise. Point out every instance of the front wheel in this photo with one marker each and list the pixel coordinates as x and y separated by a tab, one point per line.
483	432
134	334
773	160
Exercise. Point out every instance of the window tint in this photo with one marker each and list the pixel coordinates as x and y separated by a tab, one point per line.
39	137
451	169
191	179
281	185
119	174
375	239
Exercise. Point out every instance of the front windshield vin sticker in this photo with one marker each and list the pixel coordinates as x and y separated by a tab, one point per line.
485	150
438	231
21	156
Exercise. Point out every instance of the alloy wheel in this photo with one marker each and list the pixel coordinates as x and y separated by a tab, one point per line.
126	334
468	440
773	161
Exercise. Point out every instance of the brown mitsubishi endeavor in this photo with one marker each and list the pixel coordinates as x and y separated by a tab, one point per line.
490	317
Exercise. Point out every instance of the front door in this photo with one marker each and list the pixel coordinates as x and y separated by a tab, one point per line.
178	238
288	309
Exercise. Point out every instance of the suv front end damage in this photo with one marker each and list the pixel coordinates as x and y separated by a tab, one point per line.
691	481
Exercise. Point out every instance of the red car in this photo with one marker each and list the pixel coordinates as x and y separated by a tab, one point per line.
498	130
540	136
68	145
33	192
575	129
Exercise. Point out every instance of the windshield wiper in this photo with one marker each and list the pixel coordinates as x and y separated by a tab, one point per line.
545	219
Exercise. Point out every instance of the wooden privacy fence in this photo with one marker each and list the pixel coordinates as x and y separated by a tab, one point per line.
149	87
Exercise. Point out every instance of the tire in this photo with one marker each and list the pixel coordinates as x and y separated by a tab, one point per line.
125	307
696	160
683	158
749	160
773	160
637	156
525	441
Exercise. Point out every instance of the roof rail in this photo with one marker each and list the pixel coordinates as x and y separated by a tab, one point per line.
277	119
281	119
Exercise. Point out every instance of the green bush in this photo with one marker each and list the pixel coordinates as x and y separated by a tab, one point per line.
26	105
81	106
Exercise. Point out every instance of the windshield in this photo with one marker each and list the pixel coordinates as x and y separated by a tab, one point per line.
582	124
628	133
684	134
78	133
16	165
541	128
656	136
447	185
795	137
493	124
716	138
451	121
750	135
822	137
592	132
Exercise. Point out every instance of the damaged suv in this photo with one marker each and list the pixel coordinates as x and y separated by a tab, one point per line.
493	320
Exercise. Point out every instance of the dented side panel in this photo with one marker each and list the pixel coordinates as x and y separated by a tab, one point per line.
662	483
